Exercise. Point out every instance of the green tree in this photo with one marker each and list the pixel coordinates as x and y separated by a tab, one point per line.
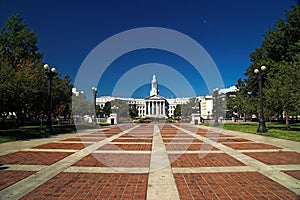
133	112
243	102
279	51
177	111
98	110
18	43
6	89
283	93
107	109
19	54
23	82
81	106
62	95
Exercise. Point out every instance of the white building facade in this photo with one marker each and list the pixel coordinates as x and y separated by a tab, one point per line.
156	106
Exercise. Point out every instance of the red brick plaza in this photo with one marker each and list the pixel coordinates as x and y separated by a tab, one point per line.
152	161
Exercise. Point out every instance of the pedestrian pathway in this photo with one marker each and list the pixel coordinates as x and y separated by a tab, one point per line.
151	161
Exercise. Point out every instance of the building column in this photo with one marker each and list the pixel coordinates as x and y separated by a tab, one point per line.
147	108
152	107
139	110
158	106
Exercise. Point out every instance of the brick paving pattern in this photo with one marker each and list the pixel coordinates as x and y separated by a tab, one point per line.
115	160
293	173
76	146
203	160
186	147
9	177
99	136
181	140
235	185
133	140
232	139
92	186
210	134
85	139
128	147
276	158
246	146
92	175
33	158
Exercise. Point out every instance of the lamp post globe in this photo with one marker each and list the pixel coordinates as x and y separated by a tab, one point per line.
262	124
46	66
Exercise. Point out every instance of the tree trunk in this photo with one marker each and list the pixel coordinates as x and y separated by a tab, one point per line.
287	123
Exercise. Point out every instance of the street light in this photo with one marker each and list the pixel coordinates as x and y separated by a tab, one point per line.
50	72
262	124
94	89
215	108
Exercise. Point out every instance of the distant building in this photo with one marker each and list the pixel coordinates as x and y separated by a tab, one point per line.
206	106
156	106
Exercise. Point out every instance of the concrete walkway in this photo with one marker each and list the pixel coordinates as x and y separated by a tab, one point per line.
152	161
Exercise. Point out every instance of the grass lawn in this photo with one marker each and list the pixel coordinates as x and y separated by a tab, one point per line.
30	132
274	130
7	139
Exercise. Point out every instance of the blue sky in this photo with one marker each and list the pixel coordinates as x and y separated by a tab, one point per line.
228	30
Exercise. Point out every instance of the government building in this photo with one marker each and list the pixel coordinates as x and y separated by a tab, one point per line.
156	106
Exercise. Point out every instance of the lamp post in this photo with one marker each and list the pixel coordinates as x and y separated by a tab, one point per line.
94	89
199	103
262	124
50	72
215	104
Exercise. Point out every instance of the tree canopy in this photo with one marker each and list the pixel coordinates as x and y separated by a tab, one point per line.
177	111
23	83
280	53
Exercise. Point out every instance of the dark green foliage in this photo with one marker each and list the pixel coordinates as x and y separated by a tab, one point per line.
177	111
133	112
280	53
32	132
98	110
107	109
23	83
